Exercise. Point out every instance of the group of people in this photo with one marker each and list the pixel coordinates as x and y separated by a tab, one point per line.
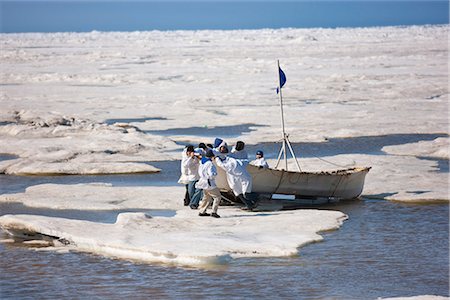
198	173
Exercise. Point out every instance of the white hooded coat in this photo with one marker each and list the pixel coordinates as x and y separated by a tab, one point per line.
207	172
189	167
238	178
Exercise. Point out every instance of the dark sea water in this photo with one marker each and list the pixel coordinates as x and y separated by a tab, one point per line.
384	249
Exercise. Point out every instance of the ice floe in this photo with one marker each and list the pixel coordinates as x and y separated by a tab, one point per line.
97	196
186	239
438	148
59	145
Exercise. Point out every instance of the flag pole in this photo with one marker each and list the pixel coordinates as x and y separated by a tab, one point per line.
282	117
285	139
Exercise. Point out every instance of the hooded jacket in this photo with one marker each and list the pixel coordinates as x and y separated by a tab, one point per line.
238	178
207	173
189	167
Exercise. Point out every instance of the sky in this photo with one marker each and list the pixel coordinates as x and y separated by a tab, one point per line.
113	15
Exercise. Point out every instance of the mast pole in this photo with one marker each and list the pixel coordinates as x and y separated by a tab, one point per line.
283	149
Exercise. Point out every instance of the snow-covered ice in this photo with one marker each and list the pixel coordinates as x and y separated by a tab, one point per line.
97	196
438	148
185	239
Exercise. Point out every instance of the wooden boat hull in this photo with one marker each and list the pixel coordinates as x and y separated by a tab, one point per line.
339	184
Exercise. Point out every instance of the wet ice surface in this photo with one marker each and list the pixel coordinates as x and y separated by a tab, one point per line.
385	249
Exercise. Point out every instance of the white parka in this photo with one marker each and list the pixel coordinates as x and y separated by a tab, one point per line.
260	162
189	167
238	178
207	172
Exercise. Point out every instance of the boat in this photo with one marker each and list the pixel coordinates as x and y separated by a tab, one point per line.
313	187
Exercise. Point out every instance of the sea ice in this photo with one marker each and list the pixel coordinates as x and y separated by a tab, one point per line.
97	196
58	145
186	239
438	148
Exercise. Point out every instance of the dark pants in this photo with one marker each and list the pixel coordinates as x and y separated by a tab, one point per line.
198	195
187	199
248	202
195	195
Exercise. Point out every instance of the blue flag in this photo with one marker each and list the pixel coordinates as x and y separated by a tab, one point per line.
282	78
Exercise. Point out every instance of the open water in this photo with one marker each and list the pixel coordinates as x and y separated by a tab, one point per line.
384	249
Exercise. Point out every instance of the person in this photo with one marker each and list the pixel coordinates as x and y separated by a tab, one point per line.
208	172
198	193
203	148
190	165
184	173
238	178
238	151
260	161
220	148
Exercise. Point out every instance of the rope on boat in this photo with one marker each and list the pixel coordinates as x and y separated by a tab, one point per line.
279	182
337	185
331	163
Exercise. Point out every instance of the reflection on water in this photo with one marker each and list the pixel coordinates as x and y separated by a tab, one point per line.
385	249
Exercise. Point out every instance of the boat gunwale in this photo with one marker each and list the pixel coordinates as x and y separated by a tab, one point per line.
347	171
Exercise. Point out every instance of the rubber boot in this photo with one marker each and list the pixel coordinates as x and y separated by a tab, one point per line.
247	202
